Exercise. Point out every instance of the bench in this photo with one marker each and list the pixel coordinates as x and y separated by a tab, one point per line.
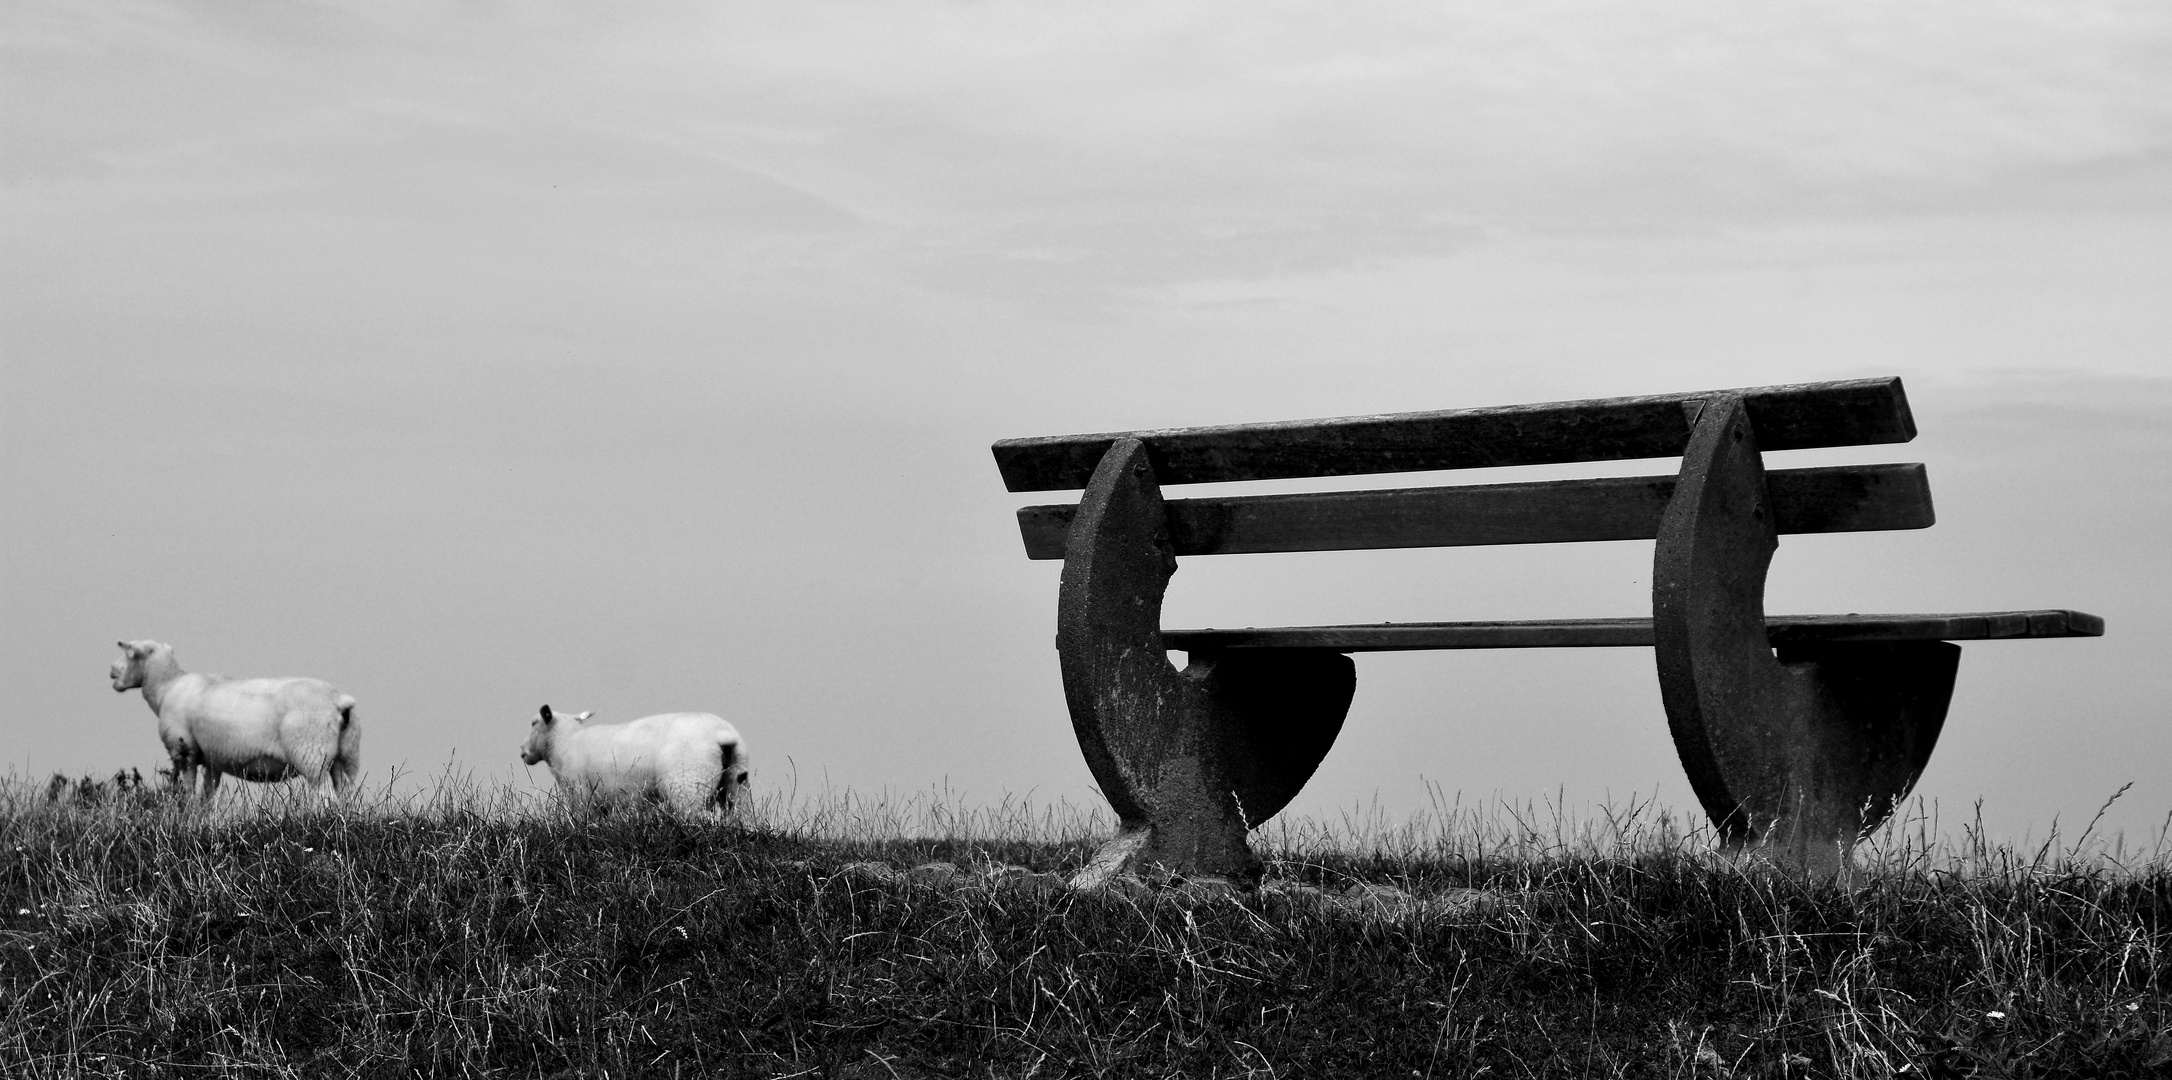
1799	733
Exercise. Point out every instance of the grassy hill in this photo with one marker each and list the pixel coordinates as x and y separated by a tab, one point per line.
471	933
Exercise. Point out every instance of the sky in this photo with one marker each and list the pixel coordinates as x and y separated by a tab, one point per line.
642	358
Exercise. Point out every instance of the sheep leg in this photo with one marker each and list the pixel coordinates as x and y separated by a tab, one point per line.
343	777
347	755
184	769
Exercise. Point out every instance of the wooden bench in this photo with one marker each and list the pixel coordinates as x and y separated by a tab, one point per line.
1799	733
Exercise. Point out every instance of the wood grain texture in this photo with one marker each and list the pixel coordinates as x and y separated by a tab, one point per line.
1782	630
1192	758
1794	753
1852	498
1797	416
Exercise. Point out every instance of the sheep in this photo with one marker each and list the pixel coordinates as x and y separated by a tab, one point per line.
264	730
691	762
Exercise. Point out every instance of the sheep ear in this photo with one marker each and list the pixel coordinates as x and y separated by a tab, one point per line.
546	714
584	716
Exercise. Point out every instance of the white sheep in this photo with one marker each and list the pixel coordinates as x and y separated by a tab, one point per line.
691	762
257	729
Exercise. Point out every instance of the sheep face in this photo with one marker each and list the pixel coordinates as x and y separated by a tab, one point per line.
537	749
127	671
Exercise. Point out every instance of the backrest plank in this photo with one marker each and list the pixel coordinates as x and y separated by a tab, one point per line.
1847	498
1789	417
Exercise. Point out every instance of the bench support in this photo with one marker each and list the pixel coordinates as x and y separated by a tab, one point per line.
1192	759
1794	756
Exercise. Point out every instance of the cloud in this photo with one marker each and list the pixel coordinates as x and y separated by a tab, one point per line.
1509	103
1157	133
1067	157
1123	145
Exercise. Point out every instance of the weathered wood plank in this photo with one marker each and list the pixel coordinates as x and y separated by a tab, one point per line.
1848	498
1965	626
1847	413
1399	637
1602	633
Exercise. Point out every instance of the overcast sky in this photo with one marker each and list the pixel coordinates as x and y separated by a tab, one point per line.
646	357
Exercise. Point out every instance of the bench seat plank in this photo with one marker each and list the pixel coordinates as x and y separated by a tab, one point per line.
1589	633
1845	498
1793	417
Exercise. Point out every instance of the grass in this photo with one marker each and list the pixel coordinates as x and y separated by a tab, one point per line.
477	932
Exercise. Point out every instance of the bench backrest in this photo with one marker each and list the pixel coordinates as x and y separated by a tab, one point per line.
1830	499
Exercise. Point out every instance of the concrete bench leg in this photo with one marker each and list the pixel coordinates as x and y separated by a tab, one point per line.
1189	760
1794	756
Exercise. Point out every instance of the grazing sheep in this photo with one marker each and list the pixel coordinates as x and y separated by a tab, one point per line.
691	762
257	729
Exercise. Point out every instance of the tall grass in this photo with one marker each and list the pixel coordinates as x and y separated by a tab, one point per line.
473	930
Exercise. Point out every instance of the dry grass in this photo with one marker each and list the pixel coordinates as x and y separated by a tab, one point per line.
472	932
